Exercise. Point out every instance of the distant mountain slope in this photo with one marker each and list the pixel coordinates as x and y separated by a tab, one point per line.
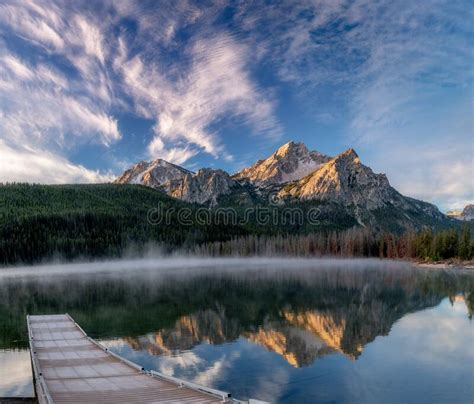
466	214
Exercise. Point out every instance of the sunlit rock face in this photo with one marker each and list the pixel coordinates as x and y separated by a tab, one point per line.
155	174
466	214
290	162
346	181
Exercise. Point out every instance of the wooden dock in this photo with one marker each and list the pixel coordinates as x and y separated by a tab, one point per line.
70	367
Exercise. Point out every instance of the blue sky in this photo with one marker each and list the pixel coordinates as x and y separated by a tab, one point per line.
88	88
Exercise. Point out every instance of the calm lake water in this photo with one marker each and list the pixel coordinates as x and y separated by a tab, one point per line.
281	331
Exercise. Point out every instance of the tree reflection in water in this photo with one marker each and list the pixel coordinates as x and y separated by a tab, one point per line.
300	315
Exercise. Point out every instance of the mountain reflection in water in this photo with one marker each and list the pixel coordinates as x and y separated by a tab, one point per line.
300	315
338	316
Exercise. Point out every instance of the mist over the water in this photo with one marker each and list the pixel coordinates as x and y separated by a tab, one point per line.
182	265
278	314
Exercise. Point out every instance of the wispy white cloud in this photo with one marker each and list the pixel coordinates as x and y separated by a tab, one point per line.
41	166
16	68
447	183
216	86
417	55
37	23
47	111
90	38
411	58
177	155
211	82
37	107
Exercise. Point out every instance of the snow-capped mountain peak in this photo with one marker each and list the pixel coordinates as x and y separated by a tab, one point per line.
290	162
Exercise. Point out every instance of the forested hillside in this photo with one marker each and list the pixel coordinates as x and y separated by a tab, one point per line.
43	222
69	221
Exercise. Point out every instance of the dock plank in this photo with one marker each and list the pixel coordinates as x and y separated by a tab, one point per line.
70	367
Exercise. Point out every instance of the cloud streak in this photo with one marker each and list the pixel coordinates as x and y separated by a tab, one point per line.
216	85
41	166
53	98
83	67
39	106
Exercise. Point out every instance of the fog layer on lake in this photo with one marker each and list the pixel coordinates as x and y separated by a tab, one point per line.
281	330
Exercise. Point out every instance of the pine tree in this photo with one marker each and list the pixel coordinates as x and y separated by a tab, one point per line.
465	251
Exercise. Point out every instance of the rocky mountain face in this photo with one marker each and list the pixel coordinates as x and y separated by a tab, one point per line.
203	187
290	162
466	214
156	174
294	175
343	180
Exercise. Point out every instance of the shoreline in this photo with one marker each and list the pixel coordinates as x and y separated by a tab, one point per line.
465	266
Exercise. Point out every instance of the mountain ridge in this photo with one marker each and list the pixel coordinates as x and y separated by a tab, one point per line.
292	174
